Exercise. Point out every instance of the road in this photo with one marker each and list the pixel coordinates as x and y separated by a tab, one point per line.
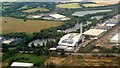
90	54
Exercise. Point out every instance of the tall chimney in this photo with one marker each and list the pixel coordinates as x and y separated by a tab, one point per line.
81	28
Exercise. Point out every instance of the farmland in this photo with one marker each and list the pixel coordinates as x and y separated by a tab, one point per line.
69	5
92	5
36	9
10	25
24	7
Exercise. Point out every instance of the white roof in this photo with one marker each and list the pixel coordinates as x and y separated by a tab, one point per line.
110	25
21	64
94	32
115	38
57	16
1	38
52	49
70	39
8	41
37	16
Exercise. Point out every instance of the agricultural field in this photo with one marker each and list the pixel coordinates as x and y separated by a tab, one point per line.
23	7
36	9
69	5
26	58
106	2
10	25
92	5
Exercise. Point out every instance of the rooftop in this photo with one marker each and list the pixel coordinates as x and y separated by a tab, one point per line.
70	39
57	16
21	64
94	32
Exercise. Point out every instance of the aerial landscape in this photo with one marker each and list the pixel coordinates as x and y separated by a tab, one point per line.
60	33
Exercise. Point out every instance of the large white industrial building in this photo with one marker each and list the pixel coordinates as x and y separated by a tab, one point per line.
69	41
55	17
95	33
115	39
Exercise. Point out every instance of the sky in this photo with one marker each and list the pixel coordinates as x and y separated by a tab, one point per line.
52	0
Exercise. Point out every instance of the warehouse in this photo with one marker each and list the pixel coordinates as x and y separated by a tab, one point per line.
21	65
94	33
115	39
55	17
70	41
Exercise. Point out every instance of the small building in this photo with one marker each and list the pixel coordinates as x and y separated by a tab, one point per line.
52	49
21	65
115	39
36	16
69	41
94	33
8	41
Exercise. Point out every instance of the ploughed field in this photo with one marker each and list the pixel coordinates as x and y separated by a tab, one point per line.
10	25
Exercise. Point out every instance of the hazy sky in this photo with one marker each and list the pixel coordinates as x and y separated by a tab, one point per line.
51	0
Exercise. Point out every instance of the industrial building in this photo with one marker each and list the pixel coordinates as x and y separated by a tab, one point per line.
21	65
111	24
55	17
6	40
115	39
70	41
94	33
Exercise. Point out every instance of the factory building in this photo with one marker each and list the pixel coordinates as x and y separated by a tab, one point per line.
115	39
55	17
69	41
94	33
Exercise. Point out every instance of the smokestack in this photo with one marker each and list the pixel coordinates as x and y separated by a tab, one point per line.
81	28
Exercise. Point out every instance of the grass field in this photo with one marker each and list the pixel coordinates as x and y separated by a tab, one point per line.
30	26
92	5
36	9
24	7
69	5
30	58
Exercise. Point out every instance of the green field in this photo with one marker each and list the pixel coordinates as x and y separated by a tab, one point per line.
10	25
24	7
36	9
92	5
69	5
29	58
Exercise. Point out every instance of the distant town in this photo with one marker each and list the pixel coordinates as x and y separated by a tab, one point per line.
56	34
